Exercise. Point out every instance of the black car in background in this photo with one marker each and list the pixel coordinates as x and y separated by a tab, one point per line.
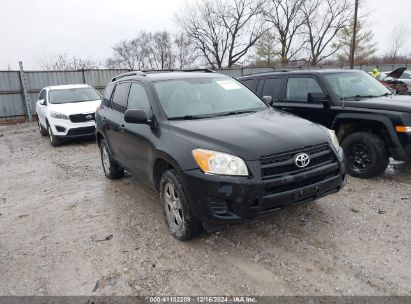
216	152
371	123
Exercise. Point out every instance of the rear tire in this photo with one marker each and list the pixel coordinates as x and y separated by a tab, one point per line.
111	169
54	141
366	155
180	221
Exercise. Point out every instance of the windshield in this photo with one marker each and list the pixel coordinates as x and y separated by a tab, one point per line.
355	84
73	95
205	97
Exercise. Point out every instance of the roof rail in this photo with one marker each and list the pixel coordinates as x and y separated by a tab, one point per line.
133	73
200	70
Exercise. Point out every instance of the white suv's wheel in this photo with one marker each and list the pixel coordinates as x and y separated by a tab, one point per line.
42	130
54	141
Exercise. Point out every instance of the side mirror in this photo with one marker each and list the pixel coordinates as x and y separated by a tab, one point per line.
136	117
319	98
268	100
42	102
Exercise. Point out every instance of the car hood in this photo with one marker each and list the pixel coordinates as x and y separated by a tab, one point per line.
396	73
83	107
400	103
251	136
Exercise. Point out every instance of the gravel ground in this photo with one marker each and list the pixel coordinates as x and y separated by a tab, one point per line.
67	230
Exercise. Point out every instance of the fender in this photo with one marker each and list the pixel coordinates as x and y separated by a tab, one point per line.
369	117
161	155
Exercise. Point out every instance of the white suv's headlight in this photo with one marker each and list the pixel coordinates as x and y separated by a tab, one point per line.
334	139
213	162
58	115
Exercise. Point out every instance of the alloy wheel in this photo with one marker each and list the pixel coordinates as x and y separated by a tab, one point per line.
360	157
106	160
174	209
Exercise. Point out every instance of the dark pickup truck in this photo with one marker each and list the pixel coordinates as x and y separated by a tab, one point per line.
371	123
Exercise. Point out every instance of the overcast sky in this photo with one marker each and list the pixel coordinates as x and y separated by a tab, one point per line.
35	30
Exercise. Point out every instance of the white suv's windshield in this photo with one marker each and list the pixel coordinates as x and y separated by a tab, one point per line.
356	84
73	95
205	97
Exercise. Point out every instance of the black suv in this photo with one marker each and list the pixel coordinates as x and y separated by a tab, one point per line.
370	122
215	151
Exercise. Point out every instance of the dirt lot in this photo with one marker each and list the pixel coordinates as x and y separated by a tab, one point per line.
57	210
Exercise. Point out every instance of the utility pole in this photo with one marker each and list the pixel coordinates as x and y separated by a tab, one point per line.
354	36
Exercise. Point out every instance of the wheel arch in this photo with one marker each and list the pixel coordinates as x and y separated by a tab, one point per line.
162	162
346	124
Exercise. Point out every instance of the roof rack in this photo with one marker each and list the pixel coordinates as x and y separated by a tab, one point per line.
200	70
133	73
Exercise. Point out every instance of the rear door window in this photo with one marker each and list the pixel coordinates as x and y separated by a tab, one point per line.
298	88
120	96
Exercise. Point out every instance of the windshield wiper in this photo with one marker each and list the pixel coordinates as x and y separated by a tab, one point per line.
386	94
236	113
359	96
190	117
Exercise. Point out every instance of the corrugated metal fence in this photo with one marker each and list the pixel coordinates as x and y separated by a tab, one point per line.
12	104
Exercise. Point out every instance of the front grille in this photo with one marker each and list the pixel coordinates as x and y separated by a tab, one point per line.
81	131
274	165
82	117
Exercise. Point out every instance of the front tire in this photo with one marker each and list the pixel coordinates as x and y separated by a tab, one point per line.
43	131
180	221
54	141
366	155
111	169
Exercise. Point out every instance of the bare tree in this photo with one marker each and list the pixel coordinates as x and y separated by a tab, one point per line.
266	50
399	39
287	20
365	45
244	24
223	30
64	62
146	51
185	52
324	19
200	22
163	57
124	56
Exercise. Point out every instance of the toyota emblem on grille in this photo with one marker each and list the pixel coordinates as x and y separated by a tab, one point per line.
89	117
302	160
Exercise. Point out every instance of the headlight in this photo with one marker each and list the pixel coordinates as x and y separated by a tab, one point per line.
58	115
334	139
213	162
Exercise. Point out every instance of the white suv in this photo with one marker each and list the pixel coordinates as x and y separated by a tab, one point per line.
67	111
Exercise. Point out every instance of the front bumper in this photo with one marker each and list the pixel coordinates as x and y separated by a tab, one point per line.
222	199
64	128
403	151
